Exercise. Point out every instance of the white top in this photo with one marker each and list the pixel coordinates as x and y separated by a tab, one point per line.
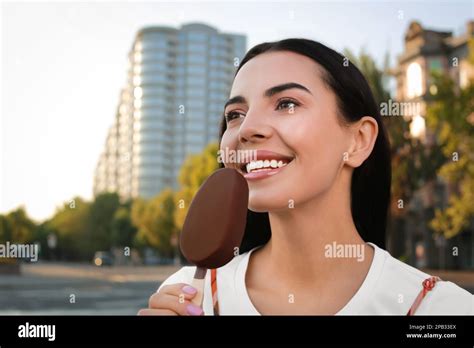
390	287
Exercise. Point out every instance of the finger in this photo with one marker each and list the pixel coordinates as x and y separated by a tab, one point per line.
175	303
155	302
163	300
186	291
148	311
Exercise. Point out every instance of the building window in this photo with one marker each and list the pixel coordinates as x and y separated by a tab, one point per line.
197	37
414	80
463	76
436	65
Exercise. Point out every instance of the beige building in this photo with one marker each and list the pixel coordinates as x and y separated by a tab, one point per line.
428	51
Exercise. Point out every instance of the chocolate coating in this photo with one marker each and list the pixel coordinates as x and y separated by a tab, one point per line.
215	222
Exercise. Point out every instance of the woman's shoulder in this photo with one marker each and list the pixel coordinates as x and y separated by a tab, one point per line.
448	298
403	282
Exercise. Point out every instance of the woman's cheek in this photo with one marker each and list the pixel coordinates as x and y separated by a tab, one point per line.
227	142
224	140
318	145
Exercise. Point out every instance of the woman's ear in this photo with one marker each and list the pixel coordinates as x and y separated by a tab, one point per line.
364	133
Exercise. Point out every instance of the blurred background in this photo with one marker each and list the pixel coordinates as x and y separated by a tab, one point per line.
109	125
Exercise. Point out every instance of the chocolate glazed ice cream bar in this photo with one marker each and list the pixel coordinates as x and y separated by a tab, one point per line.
215	224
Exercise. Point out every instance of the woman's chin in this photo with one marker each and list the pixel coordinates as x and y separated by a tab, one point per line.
266	205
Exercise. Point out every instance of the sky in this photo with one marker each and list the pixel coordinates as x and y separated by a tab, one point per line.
63	65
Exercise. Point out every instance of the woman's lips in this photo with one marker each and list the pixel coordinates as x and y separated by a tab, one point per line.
264	173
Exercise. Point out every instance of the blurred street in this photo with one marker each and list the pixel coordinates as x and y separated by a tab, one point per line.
46	289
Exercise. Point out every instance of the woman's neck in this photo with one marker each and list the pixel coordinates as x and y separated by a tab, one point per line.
316	241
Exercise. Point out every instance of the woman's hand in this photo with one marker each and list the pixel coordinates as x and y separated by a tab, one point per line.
174	299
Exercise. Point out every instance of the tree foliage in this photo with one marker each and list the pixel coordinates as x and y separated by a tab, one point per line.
451	115
154	219
193	173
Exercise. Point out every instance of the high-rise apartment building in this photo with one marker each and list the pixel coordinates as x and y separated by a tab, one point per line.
178	82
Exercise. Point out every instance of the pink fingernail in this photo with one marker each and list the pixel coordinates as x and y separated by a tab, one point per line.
193	310
189	290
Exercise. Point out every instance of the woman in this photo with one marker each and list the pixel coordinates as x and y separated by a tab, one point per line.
317	219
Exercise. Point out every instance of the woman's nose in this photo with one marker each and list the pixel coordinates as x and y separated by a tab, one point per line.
254	128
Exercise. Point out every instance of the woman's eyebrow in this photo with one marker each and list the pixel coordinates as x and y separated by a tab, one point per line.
269	92
277	89
236	100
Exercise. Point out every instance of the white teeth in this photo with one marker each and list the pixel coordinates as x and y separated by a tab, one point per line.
264	165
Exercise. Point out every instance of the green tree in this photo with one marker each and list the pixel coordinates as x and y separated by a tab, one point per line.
101	215
16	227
70	224
123	230
155	221
451	115
85	227
40	236
5	229
195	170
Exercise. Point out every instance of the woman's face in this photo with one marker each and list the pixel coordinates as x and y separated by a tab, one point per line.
297	125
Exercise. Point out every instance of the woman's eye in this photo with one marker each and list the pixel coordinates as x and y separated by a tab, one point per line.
287	104
233	115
